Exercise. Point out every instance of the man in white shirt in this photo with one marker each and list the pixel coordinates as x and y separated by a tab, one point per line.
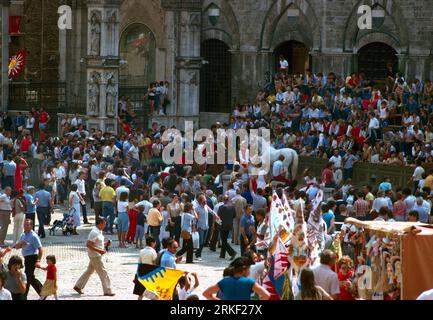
30	122
122	188
325	277
134	153
96	249
110	151
278	170
336	159
381	201
284	65
417	175
373	127
148	255
5	213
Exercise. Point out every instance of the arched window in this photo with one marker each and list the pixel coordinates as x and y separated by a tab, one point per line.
373	59
137	49
215	78
297	55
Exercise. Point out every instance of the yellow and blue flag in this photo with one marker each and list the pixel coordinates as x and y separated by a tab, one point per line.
161	281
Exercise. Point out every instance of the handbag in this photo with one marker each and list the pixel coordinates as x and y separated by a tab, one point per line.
196	240
170	228
185	235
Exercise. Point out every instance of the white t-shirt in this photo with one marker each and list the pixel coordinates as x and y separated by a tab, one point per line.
134	151
120	190
5	295
277	168
417	175
183	294
373	124
30	123
327	279
284	64
336	161
148	256
122	206
97	237
147	206
81	184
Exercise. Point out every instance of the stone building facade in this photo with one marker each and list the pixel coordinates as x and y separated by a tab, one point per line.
215	53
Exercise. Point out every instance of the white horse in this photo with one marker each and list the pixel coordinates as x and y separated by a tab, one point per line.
291	158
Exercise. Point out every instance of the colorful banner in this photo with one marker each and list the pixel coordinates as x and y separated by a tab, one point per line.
17	64
159	280
14	25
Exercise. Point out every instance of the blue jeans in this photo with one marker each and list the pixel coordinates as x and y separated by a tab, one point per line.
347	173
155	232
202	236
42	216
108	213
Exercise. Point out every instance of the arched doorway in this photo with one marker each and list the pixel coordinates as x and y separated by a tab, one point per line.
215	78
296	53
373	58
137	48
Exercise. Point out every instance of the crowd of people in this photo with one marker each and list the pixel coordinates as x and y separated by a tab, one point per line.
319	115
154	207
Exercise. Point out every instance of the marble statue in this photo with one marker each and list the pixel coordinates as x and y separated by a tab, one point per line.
95	35
94	96
111	95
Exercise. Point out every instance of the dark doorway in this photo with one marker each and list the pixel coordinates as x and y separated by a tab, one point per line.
297	55
215	84
373	58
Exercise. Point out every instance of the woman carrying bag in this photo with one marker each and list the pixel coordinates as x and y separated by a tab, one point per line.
188	217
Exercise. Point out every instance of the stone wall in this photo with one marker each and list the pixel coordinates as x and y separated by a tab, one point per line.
363	173
253	29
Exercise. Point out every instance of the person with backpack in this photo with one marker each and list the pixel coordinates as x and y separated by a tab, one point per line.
19	215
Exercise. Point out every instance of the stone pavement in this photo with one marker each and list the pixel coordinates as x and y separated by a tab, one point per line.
72	260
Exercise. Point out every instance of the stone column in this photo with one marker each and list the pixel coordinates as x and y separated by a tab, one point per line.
102	64
4	54
183	32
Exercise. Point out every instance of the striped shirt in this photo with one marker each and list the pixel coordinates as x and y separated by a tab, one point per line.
360	207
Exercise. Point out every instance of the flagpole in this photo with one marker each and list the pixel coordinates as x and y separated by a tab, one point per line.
5	55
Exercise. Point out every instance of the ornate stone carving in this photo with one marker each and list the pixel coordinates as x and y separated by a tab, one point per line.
112	92
94	93
95	33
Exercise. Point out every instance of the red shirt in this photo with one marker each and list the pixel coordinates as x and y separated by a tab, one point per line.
43	117
51	272
42	136
344	294
356	132
327	176
25	145
126	128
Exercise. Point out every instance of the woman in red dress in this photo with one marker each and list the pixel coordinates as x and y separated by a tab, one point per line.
132	214
21	166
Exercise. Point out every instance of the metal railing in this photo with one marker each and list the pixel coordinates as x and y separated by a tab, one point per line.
140	105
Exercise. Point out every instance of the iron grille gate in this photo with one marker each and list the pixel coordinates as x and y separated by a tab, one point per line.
139	103
52	96
215	84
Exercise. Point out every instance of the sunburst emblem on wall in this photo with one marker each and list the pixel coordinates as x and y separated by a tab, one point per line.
17	64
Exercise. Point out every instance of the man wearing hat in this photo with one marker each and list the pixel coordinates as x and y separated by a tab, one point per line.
31	203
